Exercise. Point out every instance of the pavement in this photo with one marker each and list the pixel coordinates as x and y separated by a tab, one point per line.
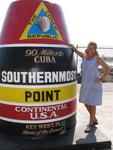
104	112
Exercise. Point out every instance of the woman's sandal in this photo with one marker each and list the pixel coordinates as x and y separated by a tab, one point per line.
88	128
95	122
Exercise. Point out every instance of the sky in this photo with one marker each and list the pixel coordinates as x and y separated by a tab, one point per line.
86	20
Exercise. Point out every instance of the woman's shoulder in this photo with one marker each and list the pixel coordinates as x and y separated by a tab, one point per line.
84	56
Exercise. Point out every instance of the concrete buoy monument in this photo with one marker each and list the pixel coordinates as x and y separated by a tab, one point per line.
37	71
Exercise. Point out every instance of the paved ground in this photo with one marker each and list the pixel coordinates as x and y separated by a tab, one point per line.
104	112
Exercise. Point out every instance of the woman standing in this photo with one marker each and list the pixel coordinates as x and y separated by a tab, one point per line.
91	85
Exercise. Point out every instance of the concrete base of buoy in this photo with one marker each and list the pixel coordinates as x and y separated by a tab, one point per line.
94	140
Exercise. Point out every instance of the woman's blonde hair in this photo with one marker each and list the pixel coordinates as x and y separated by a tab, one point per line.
95	45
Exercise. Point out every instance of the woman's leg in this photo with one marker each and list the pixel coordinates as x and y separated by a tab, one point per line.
88	108
92	113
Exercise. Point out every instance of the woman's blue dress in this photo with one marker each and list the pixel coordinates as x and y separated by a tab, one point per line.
91	92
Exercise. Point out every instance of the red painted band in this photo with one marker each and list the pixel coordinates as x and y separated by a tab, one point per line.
37	112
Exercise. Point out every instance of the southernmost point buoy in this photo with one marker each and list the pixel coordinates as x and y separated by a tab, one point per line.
37	71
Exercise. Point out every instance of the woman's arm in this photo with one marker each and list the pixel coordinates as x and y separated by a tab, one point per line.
105	66
76	51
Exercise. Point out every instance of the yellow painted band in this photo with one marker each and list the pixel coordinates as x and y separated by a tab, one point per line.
37	95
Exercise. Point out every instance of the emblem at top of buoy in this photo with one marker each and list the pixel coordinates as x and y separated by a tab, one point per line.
41	25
